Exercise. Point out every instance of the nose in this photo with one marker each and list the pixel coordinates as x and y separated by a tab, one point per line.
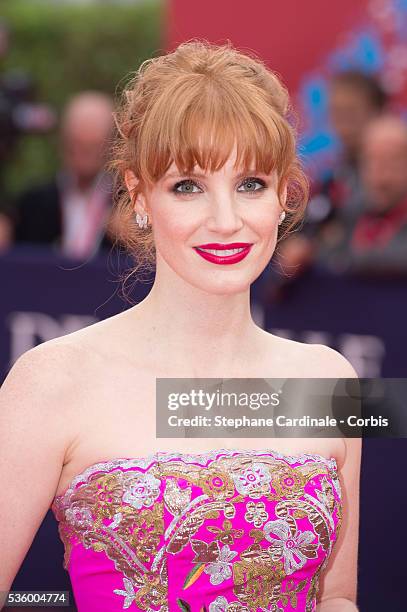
224	216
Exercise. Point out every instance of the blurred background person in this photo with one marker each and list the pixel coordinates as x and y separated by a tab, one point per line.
355	99
71	211
373	239
376	244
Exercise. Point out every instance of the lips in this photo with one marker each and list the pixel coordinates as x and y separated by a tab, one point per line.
223	253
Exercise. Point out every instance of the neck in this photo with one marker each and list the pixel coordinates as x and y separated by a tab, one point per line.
204	333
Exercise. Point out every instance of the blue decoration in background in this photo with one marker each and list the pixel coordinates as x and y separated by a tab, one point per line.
363	51
318	139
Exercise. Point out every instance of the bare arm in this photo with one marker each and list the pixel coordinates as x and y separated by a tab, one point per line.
339	583
35	431
338	587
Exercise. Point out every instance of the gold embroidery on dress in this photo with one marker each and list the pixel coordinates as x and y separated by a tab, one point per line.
122	514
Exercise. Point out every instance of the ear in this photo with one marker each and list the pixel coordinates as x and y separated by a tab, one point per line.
132	182
284	194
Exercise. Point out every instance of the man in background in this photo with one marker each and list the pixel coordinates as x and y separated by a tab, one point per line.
378	241
355	99
71	211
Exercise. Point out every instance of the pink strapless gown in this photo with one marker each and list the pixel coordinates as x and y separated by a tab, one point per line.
221	531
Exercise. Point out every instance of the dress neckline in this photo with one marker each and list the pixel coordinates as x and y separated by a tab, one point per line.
201	458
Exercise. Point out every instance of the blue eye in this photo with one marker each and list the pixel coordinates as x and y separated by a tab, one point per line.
188	184
251	182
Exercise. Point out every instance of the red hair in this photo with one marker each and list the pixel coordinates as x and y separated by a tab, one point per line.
191	107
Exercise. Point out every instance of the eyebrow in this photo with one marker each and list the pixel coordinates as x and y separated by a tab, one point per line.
203	175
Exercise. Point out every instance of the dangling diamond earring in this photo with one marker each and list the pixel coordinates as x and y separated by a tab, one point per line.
141	221
282	217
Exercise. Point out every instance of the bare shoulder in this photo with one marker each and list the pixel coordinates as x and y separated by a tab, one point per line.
58	377
49	378
51	363
305	360
332	362
71	354
47	367
95	343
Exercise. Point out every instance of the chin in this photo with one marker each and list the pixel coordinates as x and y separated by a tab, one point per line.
224	283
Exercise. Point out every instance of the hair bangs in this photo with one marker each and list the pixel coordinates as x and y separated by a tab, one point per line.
203	126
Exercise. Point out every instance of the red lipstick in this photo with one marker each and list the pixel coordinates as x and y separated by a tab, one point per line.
234	252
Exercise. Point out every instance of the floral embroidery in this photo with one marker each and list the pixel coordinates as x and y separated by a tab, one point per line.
290	483
221	569
253	481
256	513
295	547
217	483
142	490
224	531
220	604
227	534
129	594
79	516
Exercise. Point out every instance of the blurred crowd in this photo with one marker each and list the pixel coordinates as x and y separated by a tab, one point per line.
356	220
69	210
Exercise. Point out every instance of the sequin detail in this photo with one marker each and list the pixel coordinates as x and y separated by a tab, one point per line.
223	531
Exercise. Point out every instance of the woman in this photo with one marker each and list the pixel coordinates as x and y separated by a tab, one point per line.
207	157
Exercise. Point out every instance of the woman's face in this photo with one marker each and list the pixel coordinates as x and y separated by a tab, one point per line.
217	231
